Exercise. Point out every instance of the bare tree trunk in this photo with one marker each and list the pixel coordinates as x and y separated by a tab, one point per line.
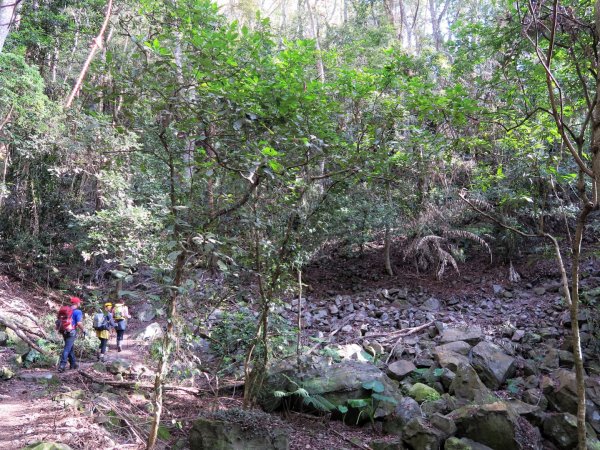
315	32
96	44
8	13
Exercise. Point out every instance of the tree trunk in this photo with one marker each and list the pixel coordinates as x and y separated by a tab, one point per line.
8	13
315	32
96	44
169	337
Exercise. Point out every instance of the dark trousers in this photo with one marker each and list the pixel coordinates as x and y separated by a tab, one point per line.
120	334
103	345
68	352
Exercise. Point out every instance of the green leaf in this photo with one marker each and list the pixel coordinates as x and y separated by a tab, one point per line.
358	402
385	398
163	433
173	255
343	409
374	385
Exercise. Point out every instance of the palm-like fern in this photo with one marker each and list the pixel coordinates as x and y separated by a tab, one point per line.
440	249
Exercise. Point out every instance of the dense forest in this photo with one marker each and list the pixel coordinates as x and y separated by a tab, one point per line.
375	216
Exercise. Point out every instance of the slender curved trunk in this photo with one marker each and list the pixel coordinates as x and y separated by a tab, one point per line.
8	13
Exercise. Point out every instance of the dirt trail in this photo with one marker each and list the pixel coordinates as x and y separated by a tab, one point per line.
30	412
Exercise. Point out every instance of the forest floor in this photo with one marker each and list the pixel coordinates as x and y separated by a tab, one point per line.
34	407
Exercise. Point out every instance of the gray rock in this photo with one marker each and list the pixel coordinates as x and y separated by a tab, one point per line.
333	309
419	435
539	290
118	366
561	429
492	424
518	335
492	364
384	444
455	443
399	369
471	335
550	361
535	397
207	434
458	347
336	382
38	377
3	339
449	359
151	332
146	313
467	385
406	410
443	423
561	391
431	304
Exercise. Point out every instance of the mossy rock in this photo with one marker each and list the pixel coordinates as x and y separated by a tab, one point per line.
47	446
238	430
421	392
6	373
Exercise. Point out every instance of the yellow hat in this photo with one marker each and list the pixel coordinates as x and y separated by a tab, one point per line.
108	305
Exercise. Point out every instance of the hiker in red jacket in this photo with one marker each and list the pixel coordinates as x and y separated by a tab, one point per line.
70	318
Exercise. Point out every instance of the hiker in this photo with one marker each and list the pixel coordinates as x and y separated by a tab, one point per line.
103	324
70	318
120	314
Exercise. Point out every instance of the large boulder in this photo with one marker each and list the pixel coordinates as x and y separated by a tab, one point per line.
406	410
419	434
561	391
449	359
151	332
146	313
336	382
492	364
471	335
237	430
467	386
492	424
561	429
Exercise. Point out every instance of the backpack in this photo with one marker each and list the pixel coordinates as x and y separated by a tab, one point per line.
100	322
64	319
119	311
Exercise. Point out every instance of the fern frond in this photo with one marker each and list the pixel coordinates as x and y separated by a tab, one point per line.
302	392
445	258
319	402
463	234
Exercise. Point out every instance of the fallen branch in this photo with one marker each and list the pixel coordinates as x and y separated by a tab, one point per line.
400	333
22	335
167	387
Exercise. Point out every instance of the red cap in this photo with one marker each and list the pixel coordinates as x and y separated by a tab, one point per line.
75	300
